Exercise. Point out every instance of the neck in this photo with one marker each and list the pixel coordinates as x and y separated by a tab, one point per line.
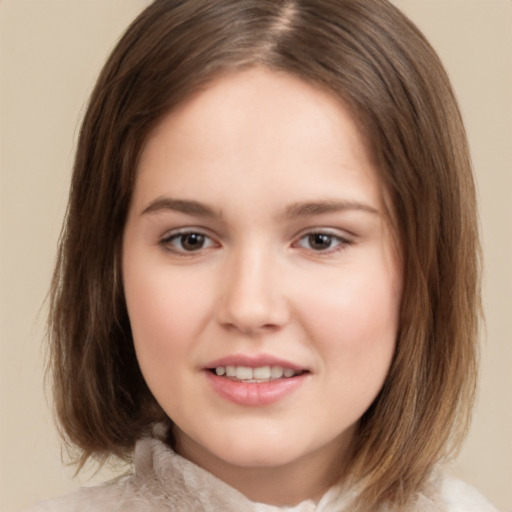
286	485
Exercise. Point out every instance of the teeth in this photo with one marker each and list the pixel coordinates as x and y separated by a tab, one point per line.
261	373
277	372
244	373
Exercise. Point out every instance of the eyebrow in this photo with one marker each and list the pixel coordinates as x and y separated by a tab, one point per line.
329	206
180	205
300	209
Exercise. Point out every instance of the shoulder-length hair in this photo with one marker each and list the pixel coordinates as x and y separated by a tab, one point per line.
371	57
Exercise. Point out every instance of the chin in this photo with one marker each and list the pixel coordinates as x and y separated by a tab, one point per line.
260	454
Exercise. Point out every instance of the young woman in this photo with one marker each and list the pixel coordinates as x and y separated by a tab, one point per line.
267	290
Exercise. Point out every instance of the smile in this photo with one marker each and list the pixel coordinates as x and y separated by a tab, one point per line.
255	381
258	374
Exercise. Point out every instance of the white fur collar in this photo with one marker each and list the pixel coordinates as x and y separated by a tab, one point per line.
163	481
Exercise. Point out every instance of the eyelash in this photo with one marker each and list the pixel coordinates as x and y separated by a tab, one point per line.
179	236
340	243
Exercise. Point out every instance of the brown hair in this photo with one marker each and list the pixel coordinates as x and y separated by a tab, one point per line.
376	61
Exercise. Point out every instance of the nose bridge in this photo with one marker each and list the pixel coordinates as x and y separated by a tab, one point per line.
253	297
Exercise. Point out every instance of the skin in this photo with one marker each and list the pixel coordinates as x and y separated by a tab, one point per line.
253	149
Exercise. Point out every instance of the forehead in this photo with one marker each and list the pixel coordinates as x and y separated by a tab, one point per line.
259	117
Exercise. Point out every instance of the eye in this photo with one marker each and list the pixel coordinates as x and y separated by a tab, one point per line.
322	242
187	242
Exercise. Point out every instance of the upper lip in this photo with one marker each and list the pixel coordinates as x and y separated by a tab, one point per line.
253	361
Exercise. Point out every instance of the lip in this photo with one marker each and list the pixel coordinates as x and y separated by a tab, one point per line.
254	394
254	361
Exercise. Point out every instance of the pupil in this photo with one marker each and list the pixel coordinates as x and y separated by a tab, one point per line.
320	241
192	241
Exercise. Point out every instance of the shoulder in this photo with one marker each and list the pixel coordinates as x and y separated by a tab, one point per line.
98	498
459	496
108	497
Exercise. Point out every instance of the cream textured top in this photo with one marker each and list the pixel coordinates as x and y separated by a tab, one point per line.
163	481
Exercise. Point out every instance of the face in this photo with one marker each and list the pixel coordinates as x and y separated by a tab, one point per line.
260	274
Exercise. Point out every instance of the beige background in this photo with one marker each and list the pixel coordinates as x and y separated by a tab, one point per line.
50	53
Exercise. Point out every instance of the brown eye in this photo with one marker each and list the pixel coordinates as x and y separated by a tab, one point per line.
187	242
192	241
320	241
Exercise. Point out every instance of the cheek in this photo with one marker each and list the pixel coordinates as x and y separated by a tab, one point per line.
166	309
354	318
356	330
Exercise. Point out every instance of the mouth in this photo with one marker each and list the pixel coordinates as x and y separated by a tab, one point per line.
255	380
257	374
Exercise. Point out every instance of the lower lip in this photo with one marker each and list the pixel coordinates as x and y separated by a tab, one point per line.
254	394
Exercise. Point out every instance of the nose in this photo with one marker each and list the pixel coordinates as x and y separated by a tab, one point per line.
253	299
